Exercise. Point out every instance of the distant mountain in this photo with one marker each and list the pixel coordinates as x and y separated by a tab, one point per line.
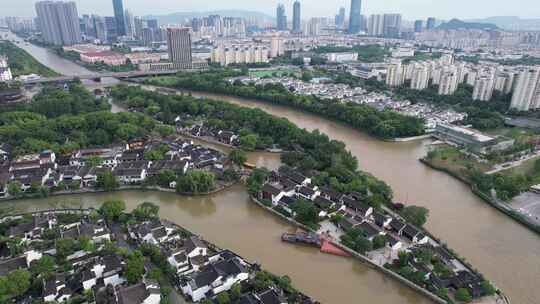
512	23
455	24
185	16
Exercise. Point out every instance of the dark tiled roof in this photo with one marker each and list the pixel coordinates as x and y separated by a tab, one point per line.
134	294
322	202
369	231
410	232
306	191
10	265
192	243
268	188
270	297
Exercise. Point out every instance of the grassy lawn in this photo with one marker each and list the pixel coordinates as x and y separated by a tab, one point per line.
22	63
527	168
271	72
453	159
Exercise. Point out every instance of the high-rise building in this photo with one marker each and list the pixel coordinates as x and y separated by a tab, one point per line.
430	23
139	25
281	18
110	29
152	23
354	18
5	72
504	82
527	91
276	46
483	88
100	28
448	82
340	18
420	77
87	26
418	26
395	75
59	22
392	25
130	24
119	16
376	25
296	25
179	43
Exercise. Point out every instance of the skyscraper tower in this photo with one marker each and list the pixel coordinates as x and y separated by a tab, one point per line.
354	19
418	26
119	16
179	43
59	22
281	19
430	23
296	27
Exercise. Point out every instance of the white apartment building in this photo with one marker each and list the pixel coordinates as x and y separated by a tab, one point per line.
527	91
483	88
504	82
395	75
448	83
5	72
420	77
239	54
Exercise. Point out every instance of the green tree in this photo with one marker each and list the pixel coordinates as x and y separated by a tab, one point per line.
134	269
14	284
107	181
307	76
306	212
463	295
238	157
112	209
249	142
14	188
415	215
487	288
223	298
93	161
236	290
379	241
65	247
165	177
43	266
195	182
256	179
146	211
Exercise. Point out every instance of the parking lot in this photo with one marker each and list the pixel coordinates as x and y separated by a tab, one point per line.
528	204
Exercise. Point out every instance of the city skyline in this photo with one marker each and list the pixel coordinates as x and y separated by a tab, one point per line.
410	9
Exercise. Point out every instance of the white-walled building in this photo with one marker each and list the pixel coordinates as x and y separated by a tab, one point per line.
5	71
527	91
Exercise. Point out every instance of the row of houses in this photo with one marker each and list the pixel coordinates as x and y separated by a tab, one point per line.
285	187
223	136
202	270
128	163
92	272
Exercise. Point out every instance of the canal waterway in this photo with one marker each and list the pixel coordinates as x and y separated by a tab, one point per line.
502	249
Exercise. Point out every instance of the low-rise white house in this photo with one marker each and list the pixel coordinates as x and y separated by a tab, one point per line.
215	278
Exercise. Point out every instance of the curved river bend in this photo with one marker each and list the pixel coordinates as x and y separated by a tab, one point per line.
503	250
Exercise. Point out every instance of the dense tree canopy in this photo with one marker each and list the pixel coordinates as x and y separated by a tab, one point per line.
386	124
195	182
315	151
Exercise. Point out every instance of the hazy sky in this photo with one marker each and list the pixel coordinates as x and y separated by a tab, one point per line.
411	9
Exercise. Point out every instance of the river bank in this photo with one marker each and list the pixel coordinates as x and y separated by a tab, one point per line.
497	204
143	188
509	256
363	259
451	202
